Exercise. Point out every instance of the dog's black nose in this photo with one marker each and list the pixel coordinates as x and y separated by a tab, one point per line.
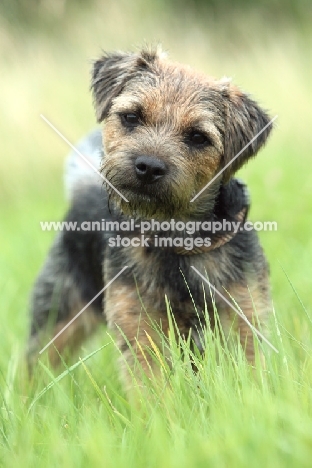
149	169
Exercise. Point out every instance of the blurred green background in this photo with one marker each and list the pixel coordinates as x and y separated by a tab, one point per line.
46	47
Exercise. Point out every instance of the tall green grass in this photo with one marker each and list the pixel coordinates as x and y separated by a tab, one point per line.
224	414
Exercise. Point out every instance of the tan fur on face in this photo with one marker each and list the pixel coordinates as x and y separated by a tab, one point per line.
173	99
172	106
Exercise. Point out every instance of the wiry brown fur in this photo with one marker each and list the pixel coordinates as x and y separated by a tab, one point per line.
172	99
172	102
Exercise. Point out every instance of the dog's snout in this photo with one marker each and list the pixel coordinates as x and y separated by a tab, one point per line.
149	169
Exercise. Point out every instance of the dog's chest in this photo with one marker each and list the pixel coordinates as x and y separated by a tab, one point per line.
159	273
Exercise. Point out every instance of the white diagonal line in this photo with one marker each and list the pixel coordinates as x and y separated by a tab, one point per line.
236	156
254	329
83	309
82	156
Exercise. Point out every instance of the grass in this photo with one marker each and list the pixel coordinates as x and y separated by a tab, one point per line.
224	415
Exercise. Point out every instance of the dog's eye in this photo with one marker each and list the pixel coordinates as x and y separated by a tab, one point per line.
130	119
196	138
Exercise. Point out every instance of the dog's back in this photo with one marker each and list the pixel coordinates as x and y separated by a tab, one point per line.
72	274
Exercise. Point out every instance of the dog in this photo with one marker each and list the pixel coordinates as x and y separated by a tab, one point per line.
171	142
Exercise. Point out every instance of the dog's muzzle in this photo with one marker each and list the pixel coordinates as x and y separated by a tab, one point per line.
149	169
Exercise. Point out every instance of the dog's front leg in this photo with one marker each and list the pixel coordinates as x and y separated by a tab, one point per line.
138	333
254	304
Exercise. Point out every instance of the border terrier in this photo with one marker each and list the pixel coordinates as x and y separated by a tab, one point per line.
168	132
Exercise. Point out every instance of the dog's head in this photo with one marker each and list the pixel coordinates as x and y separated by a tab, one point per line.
169	131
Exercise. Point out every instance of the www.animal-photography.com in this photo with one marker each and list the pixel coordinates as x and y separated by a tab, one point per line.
155	199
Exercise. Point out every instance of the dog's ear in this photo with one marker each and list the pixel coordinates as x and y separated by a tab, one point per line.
109	75
111	72
244	120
